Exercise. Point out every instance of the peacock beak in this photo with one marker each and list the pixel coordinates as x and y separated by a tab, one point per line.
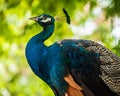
34	18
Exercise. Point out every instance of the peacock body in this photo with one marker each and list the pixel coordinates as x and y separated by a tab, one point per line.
73	67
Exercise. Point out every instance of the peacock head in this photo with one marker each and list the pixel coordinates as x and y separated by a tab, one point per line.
44	20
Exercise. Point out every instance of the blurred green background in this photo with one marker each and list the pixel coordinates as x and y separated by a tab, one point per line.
97	20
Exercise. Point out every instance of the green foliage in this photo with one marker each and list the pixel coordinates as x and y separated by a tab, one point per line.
114	8
16	78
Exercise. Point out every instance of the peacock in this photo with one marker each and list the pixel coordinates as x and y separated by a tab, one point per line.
73	67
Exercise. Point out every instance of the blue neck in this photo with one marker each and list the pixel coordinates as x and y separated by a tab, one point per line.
45	34
34	49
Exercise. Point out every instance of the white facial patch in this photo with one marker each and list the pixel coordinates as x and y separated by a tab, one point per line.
46	20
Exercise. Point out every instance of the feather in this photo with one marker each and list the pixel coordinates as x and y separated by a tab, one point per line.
71	82
73	92
91	69
73	88
67	16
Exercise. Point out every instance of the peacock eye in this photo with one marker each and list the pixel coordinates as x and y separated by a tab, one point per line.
44	17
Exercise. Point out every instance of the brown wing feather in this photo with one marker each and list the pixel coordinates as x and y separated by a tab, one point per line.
73	88
73	92
76	90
